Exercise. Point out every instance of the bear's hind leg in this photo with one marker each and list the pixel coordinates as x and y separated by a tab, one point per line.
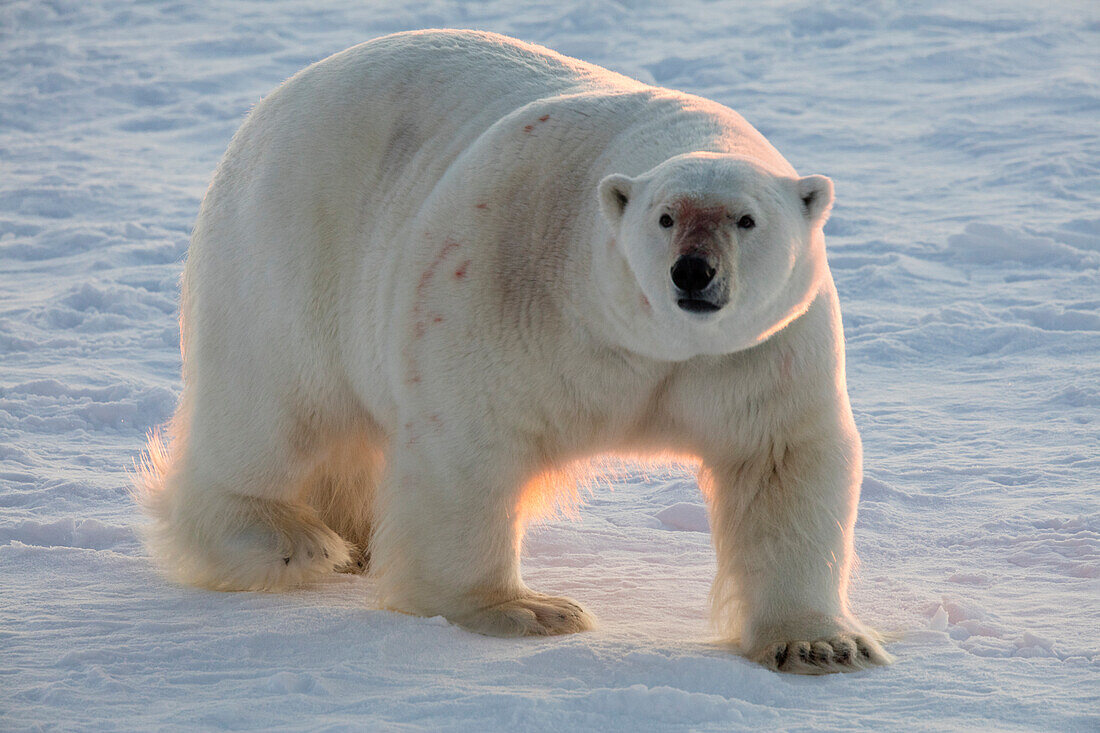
229	516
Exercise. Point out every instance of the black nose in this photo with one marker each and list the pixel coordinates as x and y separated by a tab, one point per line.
691	273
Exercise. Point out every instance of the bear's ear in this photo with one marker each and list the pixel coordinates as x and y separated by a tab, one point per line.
614	196
816	196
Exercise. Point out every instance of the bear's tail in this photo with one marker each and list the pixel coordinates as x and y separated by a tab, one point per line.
150	489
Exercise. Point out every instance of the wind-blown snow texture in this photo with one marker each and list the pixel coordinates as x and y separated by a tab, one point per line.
963	141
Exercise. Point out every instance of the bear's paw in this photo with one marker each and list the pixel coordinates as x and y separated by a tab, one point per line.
530	615
842	652
274	546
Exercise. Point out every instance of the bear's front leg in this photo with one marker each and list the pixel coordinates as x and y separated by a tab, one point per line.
449	534
782	522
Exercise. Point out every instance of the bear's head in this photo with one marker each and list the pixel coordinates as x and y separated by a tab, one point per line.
724	253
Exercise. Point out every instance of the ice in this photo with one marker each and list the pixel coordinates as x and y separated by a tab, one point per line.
965	244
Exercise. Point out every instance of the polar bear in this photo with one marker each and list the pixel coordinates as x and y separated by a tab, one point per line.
436	268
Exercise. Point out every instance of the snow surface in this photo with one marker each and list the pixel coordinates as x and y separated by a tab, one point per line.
963	141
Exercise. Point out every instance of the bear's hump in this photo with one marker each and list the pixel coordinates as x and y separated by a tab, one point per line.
456	64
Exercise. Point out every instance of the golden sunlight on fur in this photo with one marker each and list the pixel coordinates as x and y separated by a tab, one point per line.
559	492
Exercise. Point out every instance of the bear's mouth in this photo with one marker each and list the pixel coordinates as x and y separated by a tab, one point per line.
697	305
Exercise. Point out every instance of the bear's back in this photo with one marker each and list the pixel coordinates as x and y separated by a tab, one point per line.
481	66
434	90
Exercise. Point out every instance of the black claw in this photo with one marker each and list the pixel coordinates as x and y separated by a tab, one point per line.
864	650
781	656
804	653
843	656
286	560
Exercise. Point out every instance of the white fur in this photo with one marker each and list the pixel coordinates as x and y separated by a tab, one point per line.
429	271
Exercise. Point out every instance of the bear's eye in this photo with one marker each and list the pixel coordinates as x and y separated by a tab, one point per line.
665	221
746	222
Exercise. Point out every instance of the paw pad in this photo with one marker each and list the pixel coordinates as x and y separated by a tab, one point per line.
841	653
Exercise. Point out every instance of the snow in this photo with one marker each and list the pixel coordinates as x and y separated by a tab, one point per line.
962	138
